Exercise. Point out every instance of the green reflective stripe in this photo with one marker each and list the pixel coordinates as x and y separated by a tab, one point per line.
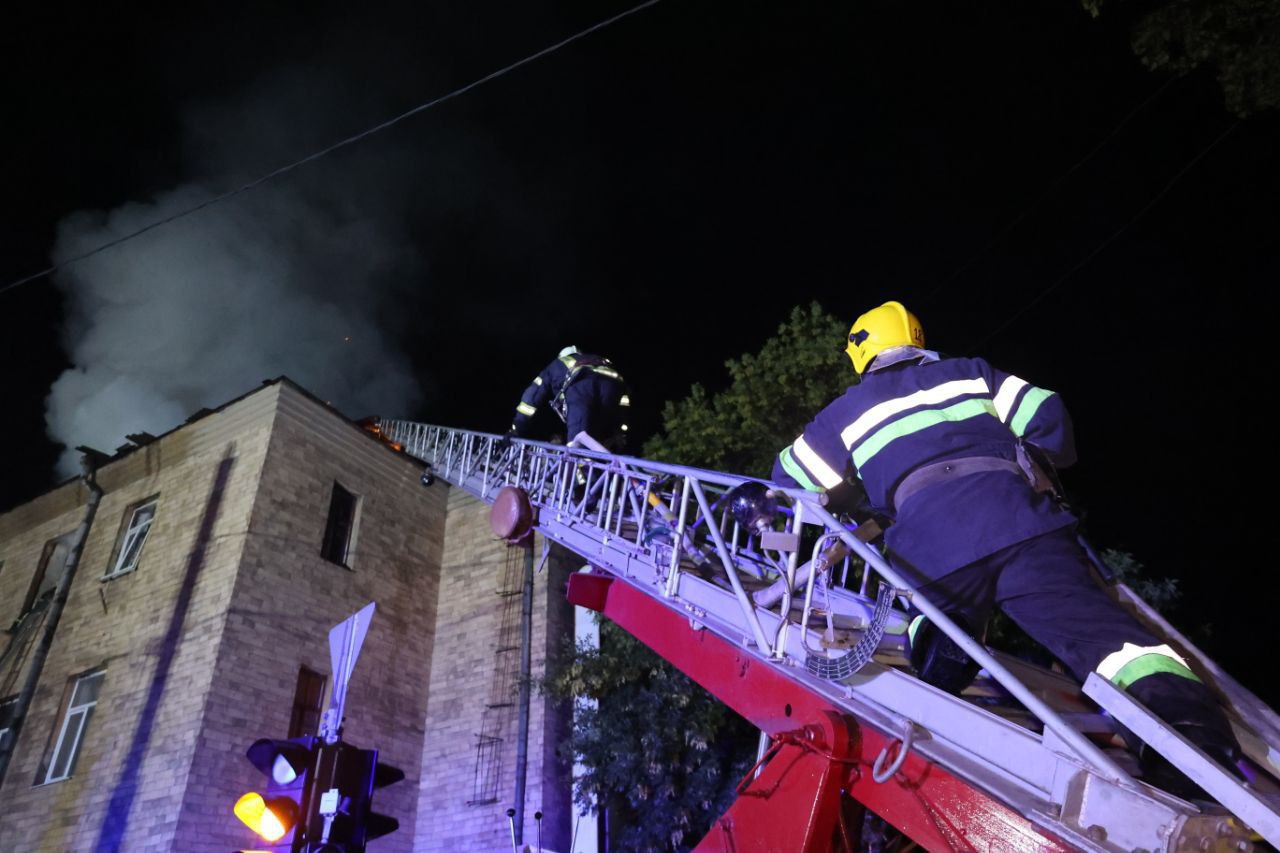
1027	409
914	628
914	423
526	409
792	467
607	371
537	380
1141	667
568	361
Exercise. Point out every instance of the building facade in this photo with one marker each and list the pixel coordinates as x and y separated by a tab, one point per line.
219	556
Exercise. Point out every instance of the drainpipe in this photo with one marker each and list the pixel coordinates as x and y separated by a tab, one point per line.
41	651
522	735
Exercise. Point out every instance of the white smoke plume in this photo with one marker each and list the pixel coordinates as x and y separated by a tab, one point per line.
297	277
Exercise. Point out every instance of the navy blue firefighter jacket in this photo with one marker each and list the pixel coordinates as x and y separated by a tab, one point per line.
910	414
551	383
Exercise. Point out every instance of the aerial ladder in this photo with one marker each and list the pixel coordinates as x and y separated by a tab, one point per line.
797	624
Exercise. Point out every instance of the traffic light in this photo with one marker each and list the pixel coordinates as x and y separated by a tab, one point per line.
275	815
341	818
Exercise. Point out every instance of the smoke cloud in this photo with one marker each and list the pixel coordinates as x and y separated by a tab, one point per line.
301	277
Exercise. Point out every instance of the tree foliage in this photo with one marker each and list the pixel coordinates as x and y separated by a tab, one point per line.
1239	40
770	397
1161	593
662	753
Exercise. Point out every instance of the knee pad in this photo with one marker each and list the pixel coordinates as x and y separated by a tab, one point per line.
937	659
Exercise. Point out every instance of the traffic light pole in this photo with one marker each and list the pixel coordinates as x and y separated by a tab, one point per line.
319	792
522	735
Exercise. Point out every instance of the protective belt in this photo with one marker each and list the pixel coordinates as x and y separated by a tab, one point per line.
602	367
950	469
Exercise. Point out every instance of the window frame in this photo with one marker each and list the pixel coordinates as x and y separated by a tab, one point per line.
6	729
348	544
85	713
42	568
126	536
300	709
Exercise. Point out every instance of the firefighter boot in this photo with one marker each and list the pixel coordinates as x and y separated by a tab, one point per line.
1217	744
939	660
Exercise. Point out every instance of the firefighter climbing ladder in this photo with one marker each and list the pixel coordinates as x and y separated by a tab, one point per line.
1018	762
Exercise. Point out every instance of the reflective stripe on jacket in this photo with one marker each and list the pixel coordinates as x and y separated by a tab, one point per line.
906	415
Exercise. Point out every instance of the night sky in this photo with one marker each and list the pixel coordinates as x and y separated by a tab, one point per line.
664	192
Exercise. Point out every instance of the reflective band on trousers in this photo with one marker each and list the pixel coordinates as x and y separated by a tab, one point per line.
625	401
813	463
914	628
1132	662
526	409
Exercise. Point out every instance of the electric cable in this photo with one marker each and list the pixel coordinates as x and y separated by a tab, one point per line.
1048	191
1109	240
289	167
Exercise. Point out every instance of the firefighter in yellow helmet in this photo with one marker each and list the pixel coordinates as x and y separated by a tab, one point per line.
948	447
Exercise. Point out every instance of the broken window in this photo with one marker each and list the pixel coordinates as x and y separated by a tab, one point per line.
306	703
53	559
336	547
7	709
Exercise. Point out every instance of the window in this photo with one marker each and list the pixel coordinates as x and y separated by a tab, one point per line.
53	559
306	703
337	532
133	535
84	696
7	709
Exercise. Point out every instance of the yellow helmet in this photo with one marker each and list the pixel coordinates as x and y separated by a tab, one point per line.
882	328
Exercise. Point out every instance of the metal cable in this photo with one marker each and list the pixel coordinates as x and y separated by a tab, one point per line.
289	167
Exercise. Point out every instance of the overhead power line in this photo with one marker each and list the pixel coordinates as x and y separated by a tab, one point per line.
350	140
1109	240
1046	192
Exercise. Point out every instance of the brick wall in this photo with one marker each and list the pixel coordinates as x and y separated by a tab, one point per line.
156	631
202	643
287	597
465	657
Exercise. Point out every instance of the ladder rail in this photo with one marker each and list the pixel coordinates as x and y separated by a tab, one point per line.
1085	750
605	507
1081	745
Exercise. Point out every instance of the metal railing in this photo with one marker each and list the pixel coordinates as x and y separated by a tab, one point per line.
620	498
665	529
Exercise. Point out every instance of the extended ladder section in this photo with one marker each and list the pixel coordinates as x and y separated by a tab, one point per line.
799	627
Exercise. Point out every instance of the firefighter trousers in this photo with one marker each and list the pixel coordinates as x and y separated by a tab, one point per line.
1045	585
593	404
